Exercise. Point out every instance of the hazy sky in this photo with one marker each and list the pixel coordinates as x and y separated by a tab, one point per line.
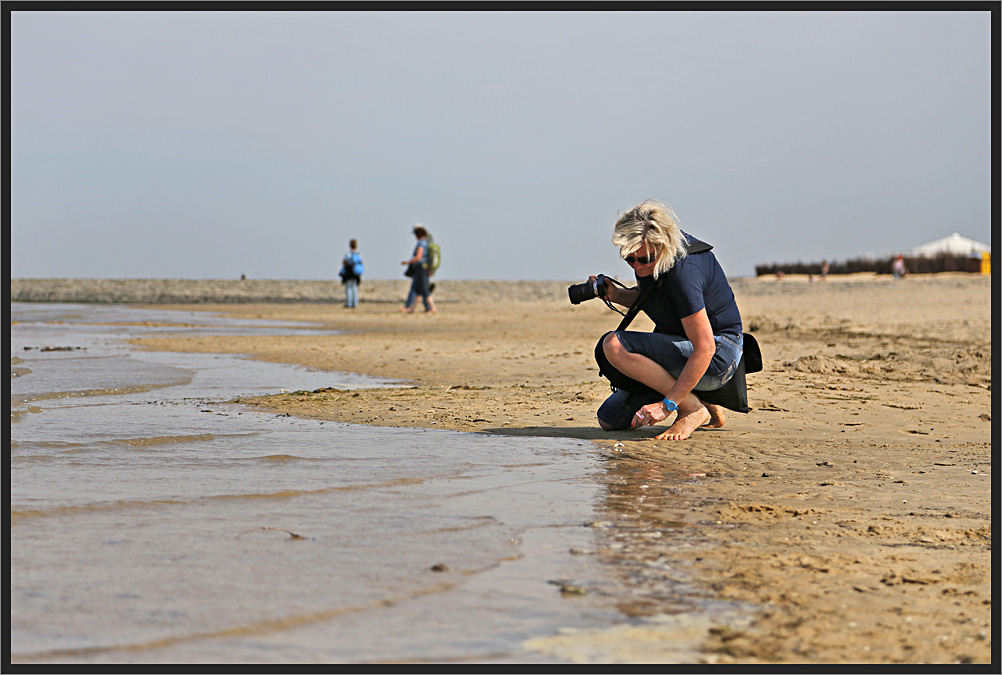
214	144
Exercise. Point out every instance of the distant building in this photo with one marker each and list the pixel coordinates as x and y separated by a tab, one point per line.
952	245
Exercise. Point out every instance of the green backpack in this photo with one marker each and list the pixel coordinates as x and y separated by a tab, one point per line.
434	256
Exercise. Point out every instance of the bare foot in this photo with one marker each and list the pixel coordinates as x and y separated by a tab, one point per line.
406	311
683	426
717	418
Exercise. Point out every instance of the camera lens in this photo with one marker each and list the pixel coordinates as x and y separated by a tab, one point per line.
578	293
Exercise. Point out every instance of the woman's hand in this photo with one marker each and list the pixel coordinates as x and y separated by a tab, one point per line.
651	413
611	290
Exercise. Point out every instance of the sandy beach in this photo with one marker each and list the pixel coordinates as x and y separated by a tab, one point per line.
851	508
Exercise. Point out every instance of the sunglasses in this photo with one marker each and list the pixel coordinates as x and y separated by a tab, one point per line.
643	261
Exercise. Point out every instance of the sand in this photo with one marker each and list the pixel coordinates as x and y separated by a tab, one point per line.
850	510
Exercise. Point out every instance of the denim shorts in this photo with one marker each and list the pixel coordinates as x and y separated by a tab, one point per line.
671	352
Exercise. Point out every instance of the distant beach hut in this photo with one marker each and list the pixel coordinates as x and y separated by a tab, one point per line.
979	255
952	245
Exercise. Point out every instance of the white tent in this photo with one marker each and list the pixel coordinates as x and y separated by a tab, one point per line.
954	244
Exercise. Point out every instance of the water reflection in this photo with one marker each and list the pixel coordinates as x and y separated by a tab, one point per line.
152	521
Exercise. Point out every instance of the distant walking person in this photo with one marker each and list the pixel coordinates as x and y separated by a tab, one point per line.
351	274
417	270
898	268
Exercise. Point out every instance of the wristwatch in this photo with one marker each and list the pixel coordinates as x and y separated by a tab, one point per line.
670	405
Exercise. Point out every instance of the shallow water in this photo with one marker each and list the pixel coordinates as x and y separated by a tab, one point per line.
153	522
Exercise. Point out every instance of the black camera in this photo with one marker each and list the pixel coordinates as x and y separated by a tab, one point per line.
589	290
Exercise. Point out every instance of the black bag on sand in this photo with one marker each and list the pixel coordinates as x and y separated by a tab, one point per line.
733	395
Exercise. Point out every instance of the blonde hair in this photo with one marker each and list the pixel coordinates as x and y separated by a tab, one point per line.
655	224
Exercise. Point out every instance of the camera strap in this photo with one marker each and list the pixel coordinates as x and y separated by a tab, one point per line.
638	304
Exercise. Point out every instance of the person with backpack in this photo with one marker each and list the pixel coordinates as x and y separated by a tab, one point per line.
418	270
351	274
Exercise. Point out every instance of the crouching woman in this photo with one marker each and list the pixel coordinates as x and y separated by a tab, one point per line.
697	342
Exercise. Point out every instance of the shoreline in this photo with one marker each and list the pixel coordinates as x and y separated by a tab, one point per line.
269	291
249	291
851	507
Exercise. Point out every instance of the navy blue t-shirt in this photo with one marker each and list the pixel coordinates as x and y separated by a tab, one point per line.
693	283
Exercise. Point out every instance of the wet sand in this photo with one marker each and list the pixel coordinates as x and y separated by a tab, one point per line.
851	508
